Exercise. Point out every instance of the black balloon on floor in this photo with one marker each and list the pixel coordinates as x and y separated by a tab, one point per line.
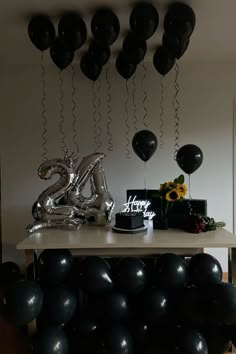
9	273
83	323
131	275
217	339
170	271
112	307
222	303
95	275
189	341
153	306
115	339
50	340
73	30
204	270
23	302
54	266
144	144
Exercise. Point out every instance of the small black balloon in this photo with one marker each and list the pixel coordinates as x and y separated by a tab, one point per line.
50	340
105	26
116	339
189	158
99	53
180	20
73	30
153	306
61	53
144	144
189	341
163	61
54	266
217	339
9	273
112	307
90	68
222	304
204	270
124	66
135	48
144	20
23	302
41	32
83	323
176	45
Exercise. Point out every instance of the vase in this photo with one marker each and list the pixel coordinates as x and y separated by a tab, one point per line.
161	219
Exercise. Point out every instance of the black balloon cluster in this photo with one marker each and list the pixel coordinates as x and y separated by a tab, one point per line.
165	304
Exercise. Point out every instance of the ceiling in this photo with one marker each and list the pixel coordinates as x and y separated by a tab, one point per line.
214	38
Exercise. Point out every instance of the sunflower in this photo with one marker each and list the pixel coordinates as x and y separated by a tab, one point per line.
182	189
173	195
170	185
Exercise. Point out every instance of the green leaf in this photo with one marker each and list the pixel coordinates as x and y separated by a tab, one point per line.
180	179
176	181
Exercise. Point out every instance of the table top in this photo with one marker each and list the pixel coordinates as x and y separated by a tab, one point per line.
94	238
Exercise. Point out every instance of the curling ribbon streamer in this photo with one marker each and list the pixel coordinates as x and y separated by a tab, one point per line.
127	123
62	119
145	96
109	120
176	108
162	114
134	104
74	106
44	118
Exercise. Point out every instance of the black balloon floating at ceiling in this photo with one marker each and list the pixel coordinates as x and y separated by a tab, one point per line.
163	61
144	20
90	68
189	158
73	30
41	32
61	53
135	48
105	26
99	52
124	66
144	144
176	45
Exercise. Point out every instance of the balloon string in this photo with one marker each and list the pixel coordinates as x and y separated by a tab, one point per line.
99	116
176	108
74	123
134	104
109	135
145	96
63	136
145	179
162	113
190	209
44	130
127	123
94	117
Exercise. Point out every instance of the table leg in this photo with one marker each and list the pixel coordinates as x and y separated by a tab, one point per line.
29	258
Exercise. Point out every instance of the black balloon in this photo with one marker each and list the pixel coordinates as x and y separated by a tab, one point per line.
23	302
131	275
116	340
112	307
170	271
140	334
95	275
204	270
50	340
41	32
144	144
54	266
61	53
73	30
217	339
9	273
83	323
144	20
189	158
190	341
175	45
105	26
59	305
180	20
135	48
124	66
163	61
90	68
222	303
99	53
153	306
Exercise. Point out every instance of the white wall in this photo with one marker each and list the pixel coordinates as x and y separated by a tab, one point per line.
206	101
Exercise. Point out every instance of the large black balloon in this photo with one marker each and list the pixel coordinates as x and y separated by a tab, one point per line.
189	158
217	339
222	303
131	275
41	32
73	30
180	20
175	45
134	47
112	307
140	334
54	266
170	271
9	273
23	302
144	144
190	341
50	340
204	270
105	26
144	20
116	339
95	275
59	305
124	66
61	53
153	306
163	61
90	68
83	323
99	53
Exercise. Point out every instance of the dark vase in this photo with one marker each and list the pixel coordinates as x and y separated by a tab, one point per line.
161	219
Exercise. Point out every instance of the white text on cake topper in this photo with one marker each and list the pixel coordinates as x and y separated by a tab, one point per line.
134	205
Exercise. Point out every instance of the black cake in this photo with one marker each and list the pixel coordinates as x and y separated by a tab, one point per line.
129	221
